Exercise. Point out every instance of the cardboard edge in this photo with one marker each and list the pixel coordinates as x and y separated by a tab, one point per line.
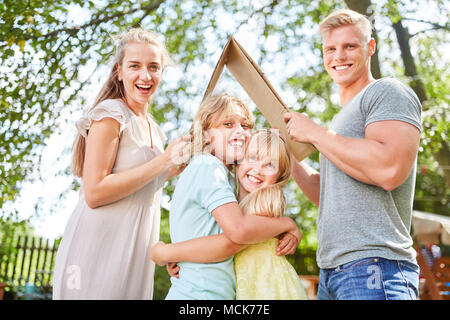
307	148
218	69
261	73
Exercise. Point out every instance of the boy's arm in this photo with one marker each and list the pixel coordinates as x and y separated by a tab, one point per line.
206	249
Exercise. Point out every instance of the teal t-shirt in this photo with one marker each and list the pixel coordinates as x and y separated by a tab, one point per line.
203	186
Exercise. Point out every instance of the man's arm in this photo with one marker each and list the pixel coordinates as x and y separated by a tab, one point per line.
383	158
307	179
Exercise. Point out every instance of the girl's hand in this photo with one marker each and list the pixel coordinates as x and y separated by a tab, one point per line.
173	269
287	244
157	253
294	230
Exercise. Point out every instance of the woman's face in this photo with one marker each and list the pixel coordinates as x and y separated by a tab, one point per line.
140	72
254	173
229	137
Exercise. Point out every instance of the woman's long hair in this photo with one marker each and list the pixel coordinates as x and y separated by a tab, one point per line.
113	88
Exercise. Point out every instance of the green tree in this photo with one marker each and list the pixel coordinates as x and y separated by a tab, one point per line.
51	50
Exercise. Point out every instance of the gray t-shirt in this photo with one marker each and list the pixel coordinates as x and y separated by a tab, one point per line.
357	220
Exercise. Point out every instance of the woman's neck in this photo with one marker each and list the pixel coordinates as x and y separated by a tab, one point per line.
138	109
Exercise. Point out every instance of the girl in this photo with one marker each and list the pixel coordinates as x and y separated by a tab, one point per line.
260	273
119	155
204	201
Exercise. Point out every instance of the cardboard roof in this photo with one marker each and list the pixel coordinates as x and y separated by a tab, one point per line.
259	89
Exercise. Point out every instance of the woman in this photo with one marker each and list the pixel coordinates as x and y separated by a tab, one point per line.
118	153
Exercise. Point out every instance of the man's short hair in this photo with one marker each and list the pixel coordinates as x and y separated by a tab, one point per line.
345	17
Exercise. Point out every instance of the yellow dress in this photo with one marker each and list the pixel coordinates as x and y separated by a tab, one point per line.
262	275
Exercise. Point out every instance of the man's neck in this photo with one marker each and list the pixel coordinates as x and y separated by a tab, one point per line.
346	93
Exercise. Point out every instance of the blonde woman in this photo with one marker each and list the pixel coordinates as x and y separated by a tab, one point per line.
262	272
119	155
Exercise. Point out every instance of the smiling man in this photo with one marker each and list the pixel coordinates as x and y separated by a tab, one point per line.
365	187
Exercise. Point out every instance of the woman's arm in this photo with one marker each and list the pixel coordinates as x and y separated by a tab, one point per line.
214	248
103	187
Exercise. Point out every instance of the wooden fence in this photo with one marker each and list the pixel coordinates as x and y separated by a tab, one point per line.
28	269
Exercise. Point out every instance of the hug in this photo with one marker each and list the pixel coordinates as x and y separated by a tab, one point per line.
227	225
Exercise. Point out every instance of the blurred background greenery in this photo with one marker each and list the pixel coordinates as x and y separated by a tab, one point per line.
54	56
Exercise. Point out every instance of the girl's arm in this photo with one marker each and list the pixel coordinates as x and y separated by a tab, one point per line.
103	187
206	249
247	229
210	249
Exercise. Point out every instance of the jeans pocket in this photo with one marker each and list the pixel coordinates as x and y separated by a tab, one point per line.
357	263
410	266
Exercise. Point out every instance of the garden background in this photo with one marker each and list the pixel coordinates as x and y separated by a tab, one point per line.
56	54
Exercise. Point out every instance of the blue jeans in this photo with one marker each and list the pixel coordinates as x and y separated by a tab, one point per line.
370	279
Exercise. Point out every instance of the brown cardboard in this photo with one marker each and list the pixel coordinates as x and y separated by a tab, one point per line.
259	89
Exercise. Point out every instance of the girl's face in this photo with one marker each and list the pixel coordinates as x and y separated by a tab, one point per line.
141	72
254	173
230	136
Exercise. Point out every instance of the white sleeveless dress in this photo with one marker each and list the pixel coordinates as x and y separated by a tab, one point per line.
105	252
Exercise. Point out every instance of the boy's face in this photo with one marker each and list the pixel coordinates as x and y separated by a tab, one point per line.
346	54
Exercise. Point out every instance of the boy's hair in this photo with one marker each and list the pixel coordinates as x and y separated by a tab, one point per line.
211	111
345	17
269	200
113	88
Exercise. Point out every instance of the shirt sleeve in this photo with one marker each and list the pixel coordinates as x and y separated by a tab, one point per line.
390	99
105	109
214	187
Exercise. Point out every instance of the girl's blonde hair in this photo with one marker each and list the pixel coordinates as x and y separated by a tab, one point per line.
113	88
345	17
266	201
269	200
211	111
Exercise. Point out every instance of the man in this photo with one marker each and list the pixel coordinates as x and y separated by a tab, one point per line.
367	172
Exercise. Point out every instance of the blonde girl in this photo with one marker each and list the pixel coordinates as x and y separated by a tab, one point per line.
119	154
262	174
204	201
260	273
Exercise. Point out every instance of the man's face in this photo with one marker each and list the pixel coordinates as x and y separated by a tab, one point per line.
346	55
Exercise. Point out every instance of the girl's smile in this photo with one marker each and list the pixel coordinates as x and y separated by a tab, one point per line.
229	138
254	173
